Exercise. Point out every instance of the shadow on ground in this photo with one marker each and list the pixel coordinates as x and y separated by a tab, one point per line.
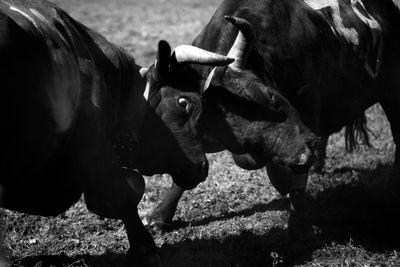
359	210
363	210
106	260
276	204
356	210
235	251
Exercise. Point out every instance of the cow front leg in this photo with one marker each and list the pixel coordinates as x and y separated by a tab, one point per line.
285	182
111	192
320	154
161	217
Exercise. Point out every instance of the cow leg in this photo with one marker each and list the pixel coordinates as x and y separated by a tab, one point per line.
391	106
320	154
286	182
119	193
161	217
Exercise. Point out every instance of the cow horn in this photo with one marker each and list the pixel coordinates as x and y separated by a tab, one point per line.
192	54
243	44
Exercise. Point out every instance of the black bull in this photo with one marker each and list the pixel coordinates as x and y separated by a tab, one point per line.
74	107
330	59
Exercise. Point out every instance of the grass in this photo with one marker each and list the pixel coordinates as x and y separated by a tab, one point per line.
235	218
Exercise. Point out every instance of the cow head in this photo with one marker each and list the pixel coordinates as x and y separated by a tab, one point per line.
262	120
170	140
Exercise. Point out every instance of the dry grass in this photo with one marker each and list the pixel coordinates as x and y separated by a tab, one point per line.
235	218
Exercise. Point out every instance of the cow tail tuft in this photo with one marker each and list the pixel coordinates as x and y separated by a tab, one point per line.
356	132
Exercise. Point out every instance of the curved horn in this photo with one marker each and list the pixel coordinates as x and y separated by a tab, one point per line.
192	54
243	44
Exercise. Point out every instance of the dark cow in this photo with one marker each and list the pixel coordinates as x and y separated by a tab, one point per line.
74	108
331	59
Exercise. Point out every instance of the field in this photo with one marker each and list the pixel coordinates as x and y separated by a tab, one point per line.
235	218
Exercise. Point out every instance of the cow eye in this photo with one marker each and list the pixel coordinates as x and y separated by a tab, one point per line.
184	103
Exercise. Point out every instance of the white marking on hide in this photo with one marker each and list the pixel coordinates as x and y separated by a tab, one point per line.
62	102
147	91
209	79
143	72
371	22
44	20
57	55
350	34
397	3
64	92
87	67
13	8
38	15
319	4
376	31
95	97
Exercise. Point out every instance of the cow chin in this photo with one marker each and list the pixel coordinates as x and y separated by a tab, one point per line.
186	178
189	180
300	169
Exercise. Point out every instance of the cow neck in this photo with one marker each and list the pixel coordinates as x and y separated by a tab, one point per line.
126	111
124	84
131	110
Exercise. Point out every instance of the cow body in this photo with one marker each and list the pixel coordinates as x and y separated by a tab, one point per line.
331	59
315	51
75	108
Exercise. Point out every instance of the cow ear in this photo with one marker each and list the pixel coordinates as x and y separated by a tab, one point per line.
162	62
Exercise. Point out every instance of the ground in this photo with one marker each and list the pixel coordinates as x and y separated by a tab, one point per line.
235	218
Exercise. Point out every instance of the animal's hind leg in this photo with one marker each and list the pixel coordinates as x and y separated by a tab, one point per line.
390	102
391	106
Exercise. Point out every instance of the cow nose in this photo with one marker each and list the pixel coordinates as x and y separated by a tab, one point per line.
202	169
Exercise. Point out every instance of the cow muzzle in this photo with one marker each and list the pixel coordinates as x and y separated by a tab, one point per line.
303	161
198	174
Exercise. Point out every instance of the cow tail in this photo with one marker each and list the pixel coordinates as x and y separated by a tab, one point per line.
356	132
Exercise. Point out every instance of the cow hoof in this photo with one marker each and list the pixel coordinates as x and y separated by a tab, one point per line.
156	225
140	258
299	244
304	233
